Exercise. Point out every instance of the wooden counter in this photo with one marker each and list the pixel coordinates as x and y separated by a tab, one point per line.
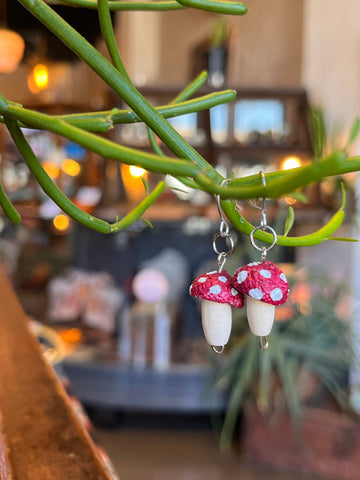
40	437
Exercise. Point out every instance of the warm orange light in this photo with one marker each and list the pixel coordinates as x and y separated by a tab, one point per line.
41	76
134	185
136	171
38	78
291	162
51	169
12	50
73	335
70	167
61	222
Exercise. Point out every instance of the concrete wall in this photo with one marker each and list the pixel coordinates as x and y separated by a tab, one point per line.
331	58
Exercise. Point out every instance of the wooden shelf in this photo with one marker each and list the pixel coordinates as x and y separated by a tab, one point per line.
110	385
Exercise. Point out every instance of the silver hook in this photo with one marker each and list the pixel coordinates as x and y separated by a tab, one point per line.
263	226
263	179
223	233
221	213
263	205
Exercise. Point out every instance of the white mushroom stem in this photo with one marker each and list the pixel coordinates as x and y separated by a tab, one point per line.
216	322
260	316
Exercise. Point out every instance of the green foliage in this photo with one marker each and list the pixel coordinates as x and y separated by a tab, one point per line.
220	34
289	221
314	339
185	163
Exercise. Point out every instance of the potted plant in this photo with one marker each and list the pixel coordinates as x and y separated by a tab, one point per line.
306	366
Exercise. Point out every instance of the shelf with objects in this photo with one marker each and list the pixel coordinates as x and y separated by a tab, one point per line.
263	129
120	341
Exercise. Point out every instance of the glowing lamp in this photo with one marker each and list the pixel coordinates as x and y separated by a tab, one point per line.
136	171
38	78
51	169
12	48
61	222
70	167
290	200
291	162
132	178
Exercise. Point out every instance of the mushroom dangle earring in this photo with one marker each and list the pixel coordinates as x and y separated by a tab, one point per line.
217	292
263	284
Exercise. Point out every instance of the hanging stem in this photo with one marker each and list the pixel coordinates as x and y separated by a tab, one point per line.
124	89
8	208
100	145
53	191
127	6
109	37
99	122
224	7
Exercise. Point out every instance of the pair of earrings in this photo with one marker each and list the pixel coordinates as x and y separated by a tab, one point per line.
259	285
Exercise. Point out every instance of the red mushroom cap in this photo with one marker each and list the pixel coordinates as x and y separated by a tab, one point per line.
216	287
262	281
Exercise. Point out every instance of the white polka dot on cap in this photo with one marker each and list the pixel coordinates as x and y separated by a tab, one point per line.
276	294
256	294
265	273
242	276
215	289
223	279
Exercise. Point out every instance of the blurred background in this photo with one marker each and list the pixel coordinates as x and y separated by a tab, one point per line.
132	349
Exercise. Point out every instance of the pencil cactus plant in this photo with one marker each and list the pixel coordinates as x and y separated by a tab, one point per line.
186	163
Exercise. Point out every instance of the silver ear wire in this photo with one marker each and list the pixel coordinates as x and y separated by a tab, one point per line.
263	225
223	233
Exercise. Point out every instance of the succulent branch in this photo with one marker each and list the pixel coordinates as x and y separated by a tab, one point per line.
186	163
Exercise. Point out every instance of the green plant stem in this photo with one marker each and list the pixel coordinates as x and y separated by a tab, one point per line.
230	8
286	181
314	238
192	88
278	183
224	7
48	185
124	89
125	6
102	146
8	208
183	95
100	122
52	190
138	212
109	37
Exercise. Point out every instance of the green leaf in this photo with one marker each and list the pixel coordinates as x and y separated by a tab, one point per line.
343	192
289	221
354	132
146	185
179	190
147	222
298	196
343	239
318	132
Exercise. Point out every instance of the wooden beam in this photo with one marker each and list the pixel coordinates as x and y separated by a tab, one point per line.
40	436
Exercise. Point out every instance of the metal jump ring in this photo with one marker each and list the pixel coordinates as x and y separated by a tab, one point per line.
263	341
262	249
218	350
229	241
